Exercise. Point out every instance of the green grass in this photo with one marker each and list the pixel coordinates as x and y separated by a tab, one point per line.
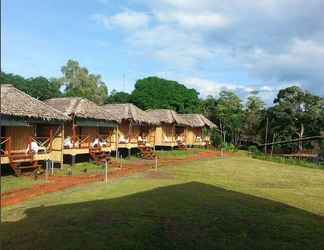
284	160
80	169
178	154
10	183
232	203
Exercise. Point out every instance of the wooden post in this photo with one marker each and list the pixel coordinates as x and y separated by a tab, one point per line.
106	172
73	134
46	170
51	140
9	146
62	145
156	163
121	161
266	136
117	131
52	167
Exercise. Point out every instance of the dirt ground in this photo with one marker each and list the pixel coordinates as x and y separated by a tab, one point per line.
59	183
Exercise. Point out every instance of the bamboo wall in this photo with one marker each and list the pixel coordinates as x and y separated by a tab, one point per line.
190	136
57	145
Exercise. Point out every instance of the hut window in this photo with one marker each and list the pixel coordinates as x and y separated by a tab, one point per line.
42	131
103	130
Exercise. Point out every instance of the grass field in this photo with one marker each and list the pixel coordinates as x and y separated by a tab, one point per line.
232	203
10	182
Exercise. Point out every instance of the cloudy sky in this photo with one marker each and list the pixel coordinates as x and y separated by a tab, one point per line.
242	45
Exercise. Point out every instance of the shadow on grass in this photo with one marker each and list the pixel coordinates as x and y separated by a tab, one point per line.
186	216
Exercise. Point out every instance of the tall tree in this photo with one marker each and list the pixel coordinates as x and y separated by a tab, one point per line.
38	87
230	115
296	113
79	82
154	92
118	97
253	116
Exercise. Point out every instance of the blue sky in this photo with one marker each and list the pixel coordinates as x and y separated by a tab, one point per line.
208	44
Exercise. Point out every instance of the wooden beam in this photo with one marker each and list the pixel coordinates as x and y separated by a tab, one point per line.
311	138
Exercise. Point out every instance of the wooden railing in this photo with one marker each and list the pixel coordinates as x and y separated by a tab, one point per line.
82	141
171	139
104	140
44	143
5	146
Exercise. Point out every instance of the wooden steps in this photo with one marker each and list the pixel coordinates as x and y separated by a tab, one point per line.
182	146
146	152
22	161
100	157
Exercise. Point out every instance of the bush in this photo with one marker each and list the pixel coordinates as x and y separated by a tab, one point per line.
216	138
228	147
254	149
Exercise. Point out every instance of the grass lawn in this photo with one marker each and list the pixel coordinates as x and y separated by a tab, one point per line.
9	183
178	154
232	203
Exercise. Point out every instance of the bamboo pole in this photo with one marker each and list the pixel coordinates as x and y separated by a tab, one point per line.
106	172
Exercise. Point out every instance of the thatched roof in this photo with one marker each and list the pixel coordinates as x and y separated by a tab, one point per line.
197	120
128	111
168	116
81	108
16	103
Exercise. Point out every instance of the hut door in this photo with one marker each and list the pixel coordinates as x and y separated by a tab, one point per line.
20	137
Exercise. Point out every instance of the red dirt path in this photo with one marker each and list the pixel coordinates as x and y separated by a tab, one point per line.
59	183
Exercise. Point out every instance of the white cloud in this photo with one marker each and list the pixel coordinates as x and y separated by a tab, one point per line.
128	20
206	20
277	41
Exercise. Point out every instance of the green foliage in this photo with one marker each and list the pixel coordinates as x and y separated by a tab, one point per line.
228	147
254	149
79	82
216	138
38	87
118	97
230	114
253	115
154	92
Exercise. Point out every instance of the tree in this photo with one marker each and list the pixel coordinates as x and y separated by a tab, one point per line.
154	92
79	82
296	112
229	111
253	116
118	97
209	108
37	87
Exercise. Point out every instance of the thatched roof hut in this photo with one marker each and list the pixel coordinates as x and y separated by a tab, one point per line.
168	116
16	104
81	108
197	120
129	111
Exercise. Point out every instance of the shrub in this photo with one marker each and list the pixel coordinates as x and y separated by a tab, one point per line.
228	147
254	149
216	138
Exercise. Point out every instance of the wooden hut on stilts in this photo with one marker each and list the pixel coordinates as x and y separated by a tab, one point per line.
92	130
31	131
136	129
